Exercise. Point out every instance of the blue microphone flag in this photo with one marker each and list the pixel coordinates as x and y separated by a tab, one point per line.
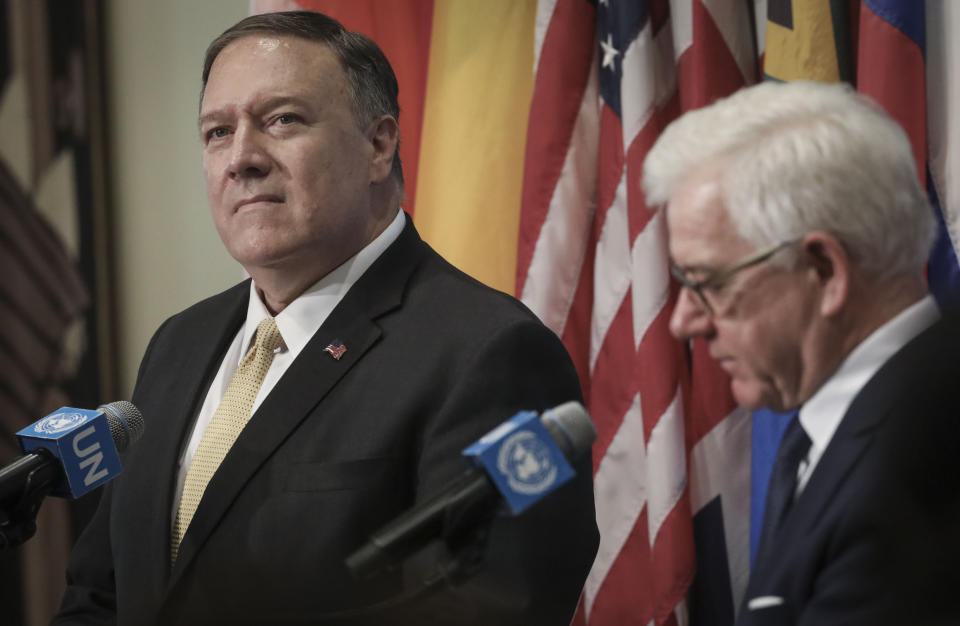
522	460
81	440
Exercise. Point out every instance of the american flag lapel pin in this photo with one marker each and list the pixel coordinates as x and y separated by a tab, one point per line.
336	348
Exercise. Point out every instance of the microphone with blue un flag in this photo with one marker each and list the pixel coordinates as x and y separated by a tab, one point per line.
517	464
67	454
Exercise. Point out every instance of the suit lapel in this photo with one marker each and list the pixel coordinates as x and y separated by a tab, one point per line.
304	385
854	435
875	414
190	375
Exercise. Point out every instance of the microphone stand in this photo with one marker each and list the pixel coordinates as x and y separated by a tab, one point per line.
18	515
465	535
465	541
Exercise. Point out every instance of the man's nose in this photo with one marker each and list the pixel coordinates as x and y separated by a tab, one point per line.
689	318
248	156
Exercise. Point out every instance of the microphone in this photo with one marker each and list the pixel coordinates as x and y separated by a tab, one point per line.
519	462
70	452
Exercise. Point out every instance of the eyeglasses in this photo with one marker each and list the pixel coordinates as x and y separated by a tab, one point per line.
718	278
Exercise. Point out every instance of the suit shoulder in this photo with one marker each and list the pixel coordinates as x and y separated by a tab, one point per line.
464	296
928	363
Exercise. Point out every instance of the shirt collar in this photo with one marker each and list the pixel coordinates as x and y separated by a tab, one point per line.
301	319
821	414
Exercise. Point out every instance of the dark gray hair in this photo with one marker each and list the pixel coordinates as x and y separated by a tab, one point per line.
373	84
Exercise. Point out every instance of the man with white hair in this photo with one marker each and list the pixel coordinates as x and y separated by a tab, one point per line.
799	233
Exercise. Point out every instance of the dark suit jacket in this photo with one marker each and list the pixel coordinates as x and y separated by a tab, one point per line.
338	448
874	538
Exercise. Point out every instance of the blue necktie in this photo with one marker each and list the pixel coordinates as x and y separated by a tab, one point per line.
783	483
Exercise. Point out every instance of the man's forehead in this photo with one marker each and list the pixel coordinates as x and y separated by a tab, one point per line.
696	203
270	64
699	228
270	45
266	45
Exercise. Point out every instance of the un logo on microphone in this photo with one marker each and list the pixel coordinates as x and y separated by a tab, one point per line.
522	460
59	422
527	463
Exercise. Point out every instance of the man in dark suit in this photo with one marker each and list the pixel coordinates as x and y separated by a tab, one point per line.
799	231
381	363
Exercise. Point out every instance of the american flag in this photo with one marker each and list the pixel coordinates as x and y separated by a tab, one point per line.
40	297
336	349
671	460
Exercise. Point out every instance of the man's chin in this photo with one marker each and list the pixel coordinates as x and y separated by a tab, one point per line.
749	394
263	257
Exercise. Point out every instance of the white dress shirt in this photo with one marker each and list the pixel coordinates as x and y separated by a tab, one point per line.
297	324
821	414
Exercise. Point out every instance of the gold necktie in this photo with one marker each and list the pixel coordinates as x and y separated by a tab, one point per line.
225	426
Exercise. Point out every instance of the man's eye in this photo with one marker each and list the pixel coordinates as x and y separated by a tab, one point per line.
696	277
716	287
217	133
287	118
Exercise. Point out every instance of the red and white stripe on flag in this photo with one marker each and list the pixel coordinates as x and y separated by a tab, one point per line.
593	264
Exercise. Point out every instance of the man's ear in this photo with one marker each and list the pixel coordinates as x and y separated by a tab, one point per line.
383	134
829	266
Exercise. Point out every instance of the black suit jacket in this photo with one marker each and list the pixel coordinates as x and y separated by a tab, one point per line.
874	538
339	447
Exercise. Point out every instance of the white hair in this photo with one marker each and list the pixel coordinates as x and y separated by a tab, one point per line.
796	157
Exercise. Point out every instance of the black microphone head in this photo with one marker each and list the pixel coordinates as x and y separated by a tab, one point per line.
126	423
571	428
